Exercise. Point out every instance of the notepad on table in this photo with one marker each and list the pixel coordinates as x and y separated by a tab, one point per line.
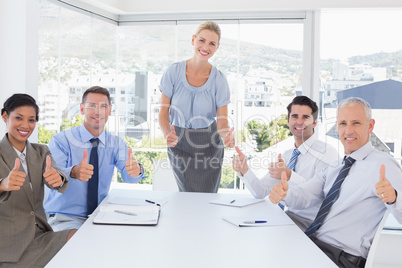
238	202
127	215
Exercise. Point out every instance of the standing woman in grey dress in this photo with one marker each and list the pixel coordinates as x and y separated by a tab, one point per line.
194	93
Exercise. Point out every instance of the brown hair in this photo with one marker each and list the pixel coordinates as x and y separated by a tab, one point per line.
97	90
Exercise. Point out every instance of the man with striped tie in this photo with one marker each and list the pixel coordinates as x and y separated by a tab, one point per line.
307	157
353	195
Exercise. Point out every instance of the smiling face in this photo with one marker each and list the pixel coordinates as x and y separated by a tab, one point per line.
96	111
205	44
301	123
20	123
354	127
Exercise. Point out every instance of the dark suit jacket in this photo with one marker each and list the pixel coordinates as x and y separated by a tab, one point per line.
23	208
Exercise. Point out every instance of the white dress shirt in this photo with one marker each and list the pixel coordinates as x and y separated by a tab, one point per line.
353	219
314	156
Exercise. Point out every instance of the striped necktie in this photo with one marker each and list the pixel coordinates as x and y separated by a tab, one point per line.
293	159
331	198
291	165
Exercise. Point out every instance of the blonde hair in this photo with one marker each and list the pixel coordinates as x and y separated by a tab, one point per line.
211	26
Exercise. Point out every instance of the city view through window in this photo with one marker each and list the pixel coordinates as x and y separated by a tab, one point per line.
361	56
262	61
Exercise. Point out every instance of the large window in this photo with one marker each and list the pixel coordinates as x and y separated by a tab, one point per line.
262	61
361	54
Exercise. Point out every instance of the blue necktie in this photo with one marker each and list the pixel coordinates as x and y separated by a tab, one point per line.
291	165
92	200
331	198
293	159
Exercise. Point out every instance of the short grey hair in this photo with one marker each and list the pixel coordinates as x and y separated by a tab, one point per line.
356	100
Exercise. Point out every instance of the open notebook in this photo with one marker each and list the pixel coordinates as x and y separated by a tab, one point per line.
127	215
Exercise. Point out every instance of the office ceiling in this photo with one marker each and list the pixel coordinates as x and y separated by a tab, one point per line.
133	7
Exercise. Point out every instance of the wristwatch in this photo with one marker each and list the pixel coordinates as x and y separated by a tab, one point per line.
388	203
141	169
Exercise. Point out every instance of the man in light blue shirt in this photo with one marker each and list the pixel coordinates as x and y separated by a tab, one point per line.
70	149
348	218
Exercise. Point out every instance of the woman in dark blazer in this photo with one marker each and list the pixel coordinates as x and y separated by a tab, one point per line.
26	239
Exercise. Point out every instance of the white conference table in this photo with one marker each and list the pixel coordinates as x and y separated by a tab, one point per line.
192	233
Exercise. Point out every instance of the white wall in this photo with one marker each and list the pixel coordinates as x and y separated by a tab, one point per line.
19	26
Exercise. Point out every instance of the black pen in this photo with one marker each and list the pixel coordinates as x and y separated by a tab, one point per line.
231	202
149	201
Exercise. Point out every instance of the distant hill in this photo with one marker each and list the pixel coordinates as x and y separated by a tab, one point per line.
282	61
153	48
392	61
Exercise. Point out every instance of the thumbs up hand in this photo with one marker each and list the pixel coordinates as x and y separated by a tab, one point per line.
14	180
229	140
239	162
277	168
52	177
83	171
132	167
280	190
280	160
384	188
172	138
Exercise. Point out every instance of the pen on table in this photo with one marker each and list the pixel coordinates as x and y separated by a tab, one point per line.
234	200
125	212
152	202
252	222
